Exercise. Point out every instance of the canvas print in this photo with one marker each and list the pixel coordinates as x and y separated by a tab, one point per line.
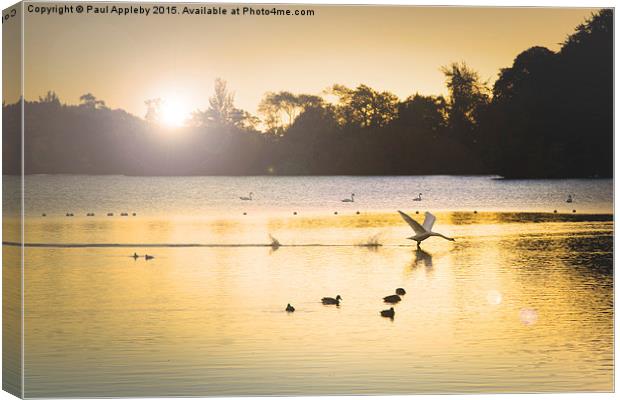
220	199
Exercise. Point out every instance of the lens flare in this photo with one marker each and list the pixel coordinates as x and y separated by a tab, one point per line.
494	297
528	316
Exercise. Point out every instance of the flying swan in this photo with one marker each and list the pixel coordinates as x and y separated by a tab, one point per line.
422	232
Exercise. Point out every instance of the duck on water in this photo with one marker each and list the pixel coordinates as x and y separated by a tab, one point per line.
331	300
392	299
388	313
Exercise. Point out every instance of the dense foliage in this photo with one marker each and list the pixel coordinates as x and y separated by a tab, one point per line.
548	115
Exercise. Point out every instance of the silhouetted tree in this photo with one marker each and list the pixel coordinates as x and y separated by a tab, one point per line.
50	98
153	110
467	96
279	110
428	113
364	107
550	115
221	104
90	101
222	112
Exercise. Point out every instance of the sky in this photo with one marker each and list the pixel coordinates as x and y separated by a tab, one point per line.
125	60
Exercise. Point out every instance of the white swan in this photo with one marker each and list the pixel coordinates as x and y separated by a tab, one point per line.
247	198
351	200
419	198
424	231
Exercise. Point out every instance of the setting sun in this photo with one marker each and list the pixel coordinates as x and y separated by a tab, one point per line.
174	113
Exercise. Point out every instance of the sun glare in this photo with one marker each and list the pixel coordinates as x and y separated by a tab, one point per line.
174	113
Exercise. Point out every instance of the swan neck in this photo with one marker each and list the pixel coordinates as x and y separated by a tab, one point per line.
440	235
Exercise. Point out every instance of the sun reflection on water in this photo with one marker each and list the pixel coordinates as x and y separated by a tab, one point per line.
513	299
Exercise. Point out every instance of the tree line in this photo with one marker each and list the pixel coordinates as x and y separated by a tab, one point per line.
549	115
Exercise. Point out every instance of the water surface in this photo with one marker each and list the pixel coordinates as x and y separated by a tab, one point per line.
522	301
203	196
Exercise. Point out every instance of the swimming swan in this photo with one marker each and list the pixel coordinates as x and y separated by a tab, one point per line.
351	200
419	198
422	232
247	198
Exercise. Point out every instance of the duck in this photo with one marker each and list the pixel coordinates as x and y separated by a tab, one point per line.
331	300
388	313
419	198
569	199
394	298
147	257
290	308
400	291
135	256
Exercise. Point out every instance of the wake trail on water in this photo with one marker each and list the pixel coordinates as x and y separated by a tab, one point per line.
274	244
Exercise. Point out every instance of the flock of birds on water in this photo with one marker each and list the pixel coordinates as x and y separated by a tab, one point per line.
389	313
91	214
147	257
422	232
351	199
250	197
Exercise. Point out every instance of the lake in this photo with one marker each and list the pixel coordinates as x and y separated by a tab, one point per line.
521	301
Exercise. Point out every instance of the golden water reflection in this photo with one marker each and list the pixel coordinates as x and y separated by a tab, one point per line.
513	305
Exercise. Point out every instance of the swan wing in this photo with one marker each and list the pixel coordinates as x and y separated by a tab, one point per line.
429	220
417	228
